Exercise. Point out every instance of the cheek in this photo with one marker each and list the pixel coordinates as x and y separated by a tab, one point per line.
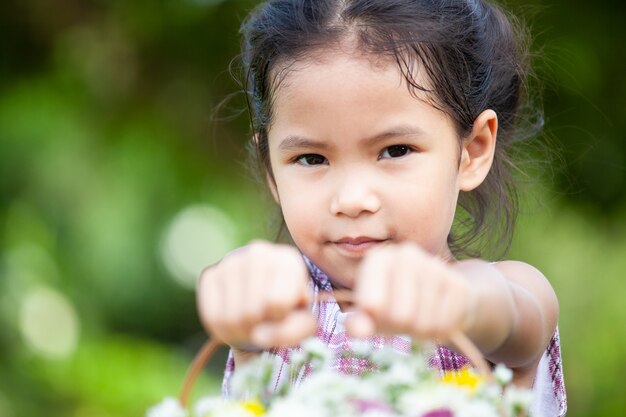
300	209
426	211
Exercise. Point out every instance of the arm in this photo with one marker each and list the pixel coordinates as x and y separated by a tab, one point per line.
515	313
508	309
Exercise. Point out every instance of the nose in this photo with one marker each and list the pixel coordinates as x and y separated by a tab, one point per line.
354	195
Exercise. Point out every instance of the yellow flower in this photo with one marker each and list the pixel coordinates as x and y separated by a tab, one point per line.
254	407
464	378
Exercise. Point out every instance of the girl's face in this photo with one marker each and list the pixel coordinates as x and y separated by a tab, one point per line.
358	162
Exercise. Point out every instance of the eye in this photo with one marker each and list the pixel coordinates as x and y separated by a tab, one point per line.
311	159
395	151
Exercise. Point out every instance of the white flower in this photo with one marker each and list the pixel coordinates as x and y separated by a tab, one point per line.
491	392
298	358
293	408
208	405
477	409
250	380
420	400
399	373
401	386
328	386
361	348
314	346
379	413
317	352
517	399
169	407
384	357
503	374
232	409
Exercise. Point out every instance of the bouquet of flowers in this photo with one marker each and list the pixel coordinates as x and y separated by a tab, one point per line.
397	386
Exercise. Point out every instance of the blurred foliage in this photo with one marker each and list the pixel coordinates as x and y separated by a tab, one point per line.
107	136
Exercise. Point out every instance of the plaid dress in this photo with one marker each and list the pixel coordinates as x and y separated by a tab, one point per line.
549	399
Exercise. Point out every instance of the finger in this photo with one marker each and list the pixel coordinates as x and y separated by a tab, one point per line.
403	290
216	319
207	298
447	320
361	325
429	300
436	287
288	288
371	290
255	286
230	283
290	331
458	305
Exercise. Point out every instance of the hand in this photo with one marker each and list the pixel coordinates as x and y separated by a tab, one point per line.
403	289
257	295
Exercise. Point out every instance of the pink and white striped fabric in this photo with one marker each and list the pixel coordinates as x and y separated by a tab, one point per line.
549	398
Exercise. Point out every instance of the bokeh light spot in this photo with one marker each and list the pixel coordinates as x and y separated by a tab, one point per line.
197	237
49	323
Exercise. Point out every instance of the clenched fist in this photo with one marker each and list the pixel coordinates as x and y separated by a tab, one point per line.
257	295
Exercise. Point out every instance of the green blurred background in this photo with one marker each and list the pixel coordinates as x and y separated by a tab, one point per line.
117	184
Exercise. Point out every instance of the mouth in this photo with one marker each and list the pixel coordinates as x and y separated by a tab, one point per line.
356	246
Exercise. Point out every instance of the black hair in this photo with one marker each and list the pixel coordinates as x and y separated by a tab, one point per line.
475	57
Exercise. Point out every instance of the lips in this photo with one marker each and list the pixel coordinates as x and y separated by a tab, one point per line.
357	245
358	240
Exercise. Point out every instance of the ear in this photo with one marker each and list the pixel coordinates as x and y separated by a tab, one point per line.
478	151
268	176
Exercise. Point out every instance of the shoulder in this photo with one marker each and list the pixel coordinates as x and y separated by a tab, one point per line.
531	284
531	279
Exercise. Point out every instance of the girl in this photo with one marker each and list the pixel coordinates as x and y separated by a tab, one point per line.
377	123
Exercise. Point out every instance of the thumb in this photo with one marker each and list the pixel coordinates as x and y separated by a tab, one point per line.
359	324
290	331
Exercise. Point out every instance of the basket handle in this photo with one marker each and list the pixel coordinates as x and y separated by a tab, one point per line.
463	344
200	360
466	347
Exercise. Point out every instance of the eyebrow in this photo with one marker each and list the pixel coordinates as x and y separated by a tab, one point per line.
394	132
293	142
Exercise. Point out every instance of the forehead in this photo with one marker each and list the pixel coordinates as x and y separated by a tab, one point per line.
290	76
345	97
317	66
347	79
